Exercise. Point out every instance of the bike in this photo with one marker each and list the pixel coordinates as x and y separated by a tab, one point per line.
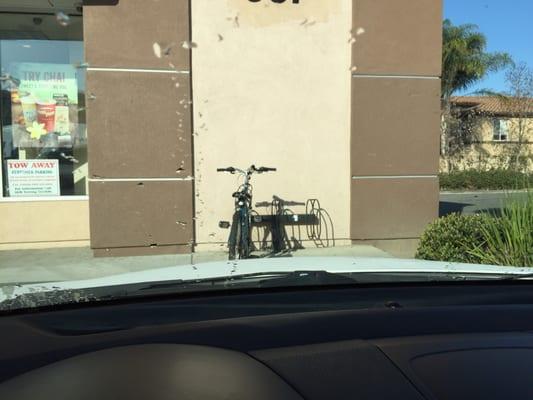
240	238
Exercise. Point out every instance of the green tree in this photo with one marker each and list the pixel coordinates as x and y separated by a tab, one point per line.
465	61
516	155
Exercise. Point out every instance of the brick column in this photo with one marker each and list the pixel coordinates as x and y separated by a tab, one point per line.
139	127
396	61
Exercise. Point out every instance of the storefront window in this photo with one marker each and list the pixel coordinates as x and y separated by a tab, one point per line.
44	140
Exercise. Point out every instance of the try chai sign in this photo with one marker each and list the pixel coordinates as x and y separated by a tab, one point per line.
33	178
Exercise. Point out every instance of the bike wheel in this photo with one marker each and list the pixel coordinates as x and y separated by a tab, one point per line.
234	237
243	237
232	252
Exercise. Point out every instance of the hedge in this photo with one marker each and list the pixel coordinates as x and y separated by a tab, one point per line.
497	179
506	240
450	238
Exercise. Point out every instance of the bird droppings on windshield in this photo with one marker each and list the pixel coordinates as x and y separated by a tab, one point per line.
167	50
44	298
188	45
62	19
157	49
81	65
181	167
161	50
234	20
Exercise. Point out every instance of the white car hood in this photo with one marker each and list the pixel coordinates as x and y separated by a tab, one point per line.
222	269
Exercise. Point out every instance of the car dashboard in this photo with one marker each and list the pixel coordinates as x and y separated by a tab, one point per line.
419	341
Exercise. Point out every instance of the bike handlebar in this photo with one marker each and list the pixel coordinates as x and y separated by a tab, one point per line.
266	169
229	169
251	170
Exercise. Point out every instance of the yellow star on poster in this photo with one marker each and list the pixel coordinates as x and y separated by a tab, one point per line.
37	130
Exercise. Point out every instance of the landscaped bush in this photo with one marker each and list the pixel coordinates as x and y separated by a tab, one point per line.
497	179
508	240
451	238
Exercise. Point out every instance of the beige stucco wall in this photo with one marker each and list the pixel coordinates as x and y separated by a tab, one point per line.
486	153
485	156
271	86
41	224
517	126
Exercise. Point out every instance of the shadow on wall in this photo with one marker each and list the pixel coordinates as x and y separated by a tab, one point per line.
280	228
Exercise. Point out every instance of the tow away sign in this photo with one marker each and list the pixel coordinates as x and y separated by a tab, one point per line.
33	178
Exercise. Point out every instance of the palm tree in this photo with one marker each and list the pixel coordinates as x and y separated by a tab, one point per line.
465	61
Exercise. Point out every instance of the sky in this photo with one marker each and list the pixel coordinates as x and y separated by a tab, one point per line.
508	26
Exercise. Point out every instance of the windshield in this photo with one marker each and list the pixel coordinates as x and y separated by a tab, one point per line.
200	143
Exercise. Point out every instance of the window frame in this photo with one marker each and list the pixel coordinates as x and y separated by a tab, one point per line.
11	199
497	135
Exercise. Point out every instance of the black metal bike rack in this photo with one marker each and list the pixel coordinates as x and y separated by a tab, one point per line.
281	217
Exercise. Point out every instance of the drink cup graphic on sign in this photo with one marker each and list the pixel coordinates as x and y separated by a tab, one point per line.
29	109
46	114
62	123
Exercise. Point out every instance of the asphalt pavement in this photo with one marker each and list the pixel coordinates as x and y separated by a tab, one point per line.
476	202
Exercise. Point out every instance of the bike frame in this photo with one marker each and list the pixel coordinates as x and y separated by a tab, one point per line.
240	234
241	217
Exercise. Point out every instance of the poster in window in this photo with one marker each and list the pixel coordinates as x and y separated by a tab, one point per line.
44	102
33	178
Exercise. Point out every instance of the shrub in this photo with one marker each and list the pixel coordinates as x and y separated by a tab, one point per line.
496	179
508	240
452	239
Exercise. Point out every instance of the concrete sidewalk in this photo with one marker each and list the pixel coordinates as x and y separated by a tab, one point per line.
63	264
